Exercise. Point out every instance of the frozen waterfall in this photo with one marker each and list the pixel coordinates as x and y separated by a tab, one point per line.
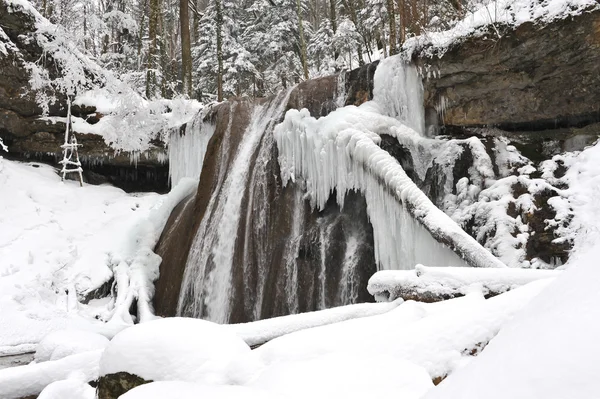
208	273
340	152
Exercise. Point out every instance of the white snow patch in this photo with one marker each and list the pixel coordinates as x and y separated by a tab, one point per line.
339	375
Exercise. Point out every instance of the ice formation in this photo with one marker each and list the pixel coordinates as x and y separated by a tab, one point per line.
186	151
340	152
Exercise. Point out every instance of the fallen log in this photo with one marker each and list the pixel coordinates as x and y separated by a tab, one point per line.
434	284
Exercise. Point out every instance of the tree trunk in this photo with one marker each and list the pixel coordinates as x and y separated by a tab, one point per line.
392	26
219	50
349	5
333	15
402	12
302	41
152	49
186	49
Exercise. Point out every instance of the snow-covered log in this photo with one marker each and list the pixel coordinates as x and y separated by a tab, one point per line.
433	284
23	381
259	332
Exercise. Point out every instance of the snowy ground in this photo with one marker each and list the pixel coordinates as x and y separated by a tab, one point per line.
57	243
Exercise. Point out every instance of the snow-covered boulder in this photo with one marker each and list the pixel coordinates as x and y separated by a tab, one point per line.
63	343
181	349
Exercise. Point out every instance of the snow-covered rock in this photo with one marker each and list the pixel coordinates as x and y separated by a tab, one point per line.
182	349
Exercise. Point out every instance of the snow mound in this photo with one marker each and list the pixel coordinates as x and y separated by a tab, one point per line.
177	348
346	376
63	343
68	389
548	351
187	390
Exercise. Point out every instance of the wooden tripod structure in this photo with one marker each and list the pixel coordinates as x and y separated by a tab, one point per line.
70	162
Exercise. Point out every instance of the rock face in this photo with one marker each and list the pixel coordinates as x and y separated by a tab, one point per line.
532	78
30	137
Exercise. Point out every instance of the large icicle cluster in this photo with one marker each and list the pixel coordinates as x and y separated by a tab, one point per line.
186	151
340	152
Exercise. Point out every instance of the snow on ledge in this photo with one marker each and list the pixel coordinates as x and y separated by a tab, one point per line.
495	13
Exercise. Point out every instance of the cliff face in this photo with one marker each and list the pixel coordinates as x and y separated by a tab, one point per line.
29	136
531	78
538	87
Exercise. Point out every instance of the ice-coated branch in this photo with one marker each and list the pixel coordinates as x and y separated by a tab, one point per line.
434	284
340	152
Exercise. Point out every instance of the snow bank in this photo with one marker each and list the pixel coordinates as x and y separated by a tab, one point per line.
63	343
187	390
501	12
68	389
22	381
448	282
548	351
345	376
340	152
59	242
173	349
261	331
439	337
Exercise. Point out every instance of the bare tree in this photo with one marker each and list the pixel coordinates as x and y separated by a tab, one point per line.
186	49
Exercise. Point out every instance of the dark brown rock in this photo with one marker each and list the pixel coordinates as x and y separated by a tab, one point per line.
532	77
111	386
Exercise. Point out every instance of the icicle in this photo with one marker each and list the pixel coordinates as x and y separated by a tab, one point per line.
398	90
186	152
